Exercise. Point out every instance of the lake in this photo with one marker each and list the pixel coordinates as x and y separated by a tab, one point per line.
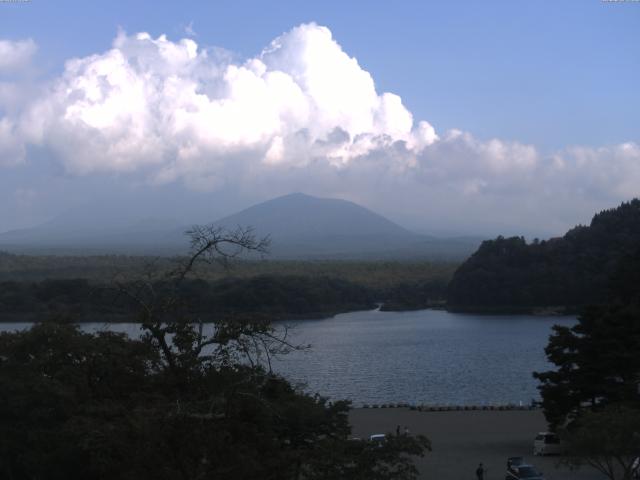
419	357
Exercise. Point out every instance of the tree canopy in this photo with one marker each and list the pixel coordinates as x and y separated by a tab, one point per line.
181	402
571	271
607	440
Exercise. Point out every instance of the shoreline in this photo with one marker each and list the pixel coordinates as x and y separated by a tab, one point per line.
548	310
35	317
451	407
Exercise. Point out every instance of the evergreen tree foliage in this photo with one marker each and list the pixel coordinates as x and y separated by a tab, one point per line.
572	271
598	359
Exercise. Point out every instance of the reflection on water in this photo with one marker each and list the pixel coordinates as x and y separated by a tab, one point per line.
427	356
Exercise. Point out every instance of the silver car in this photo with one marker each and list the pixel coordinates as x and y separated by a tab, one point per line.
547	443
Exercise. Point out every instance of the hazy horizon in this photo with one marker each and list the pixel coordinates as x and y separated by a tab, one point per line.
99	216
448	120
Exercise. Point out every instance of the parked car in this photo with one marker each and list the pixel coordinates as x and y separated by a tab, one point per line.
378	439
524	472
547	443
514	462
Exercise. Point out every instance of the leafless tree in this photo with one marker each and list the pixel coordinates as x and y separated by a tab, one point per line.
180	336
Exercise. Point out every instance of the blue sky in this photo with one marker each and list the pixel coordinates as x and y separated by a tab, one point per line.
554	83
547	72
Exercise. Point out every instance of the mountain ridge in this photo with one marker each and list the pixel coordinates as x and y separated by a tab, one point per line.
300	226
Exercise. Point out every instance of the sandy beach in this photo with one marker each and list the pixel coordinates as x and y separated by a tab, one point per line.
462	439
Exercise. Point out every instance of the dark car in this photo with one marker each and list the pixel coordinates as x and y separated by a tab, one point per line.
514	462
523	472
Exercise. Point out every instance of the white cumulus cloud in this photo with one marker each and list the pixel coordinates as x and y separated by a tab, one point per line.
179	111
301	115
16	55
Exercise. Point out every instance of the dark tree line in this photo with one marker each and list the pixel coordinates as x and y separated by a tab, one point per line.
276	296
572	271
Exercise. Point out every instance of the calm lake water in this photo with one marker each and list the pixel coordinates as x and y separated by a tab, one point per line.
426	356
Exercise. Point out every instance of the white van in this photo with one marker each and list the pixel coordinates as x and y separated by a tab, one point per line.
547	443
378	439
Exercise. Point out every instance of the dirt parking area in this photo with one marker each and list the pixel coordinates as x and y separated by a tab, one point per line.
462	439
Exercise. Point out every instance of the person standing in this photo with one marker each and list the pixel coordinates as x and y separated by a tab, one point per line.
480	472
398	431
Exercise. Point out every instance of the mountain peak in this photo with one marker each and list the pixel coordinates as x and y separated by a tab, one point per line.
304	225
302	216
305	198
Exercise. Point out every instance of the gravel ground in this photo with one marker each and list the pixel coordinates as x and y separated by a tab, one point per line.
462	439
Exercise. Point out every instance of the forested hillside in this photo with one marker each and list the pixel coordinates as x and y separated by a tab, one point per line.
271	296
509	274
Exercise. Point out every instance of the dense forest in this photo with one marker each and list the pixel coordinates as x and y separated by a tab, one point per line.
103	268
276	290
509	274
273	296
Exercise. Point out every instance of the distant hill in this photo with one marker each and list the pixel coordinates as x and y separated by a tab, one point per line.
300	226
300	216
571	271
